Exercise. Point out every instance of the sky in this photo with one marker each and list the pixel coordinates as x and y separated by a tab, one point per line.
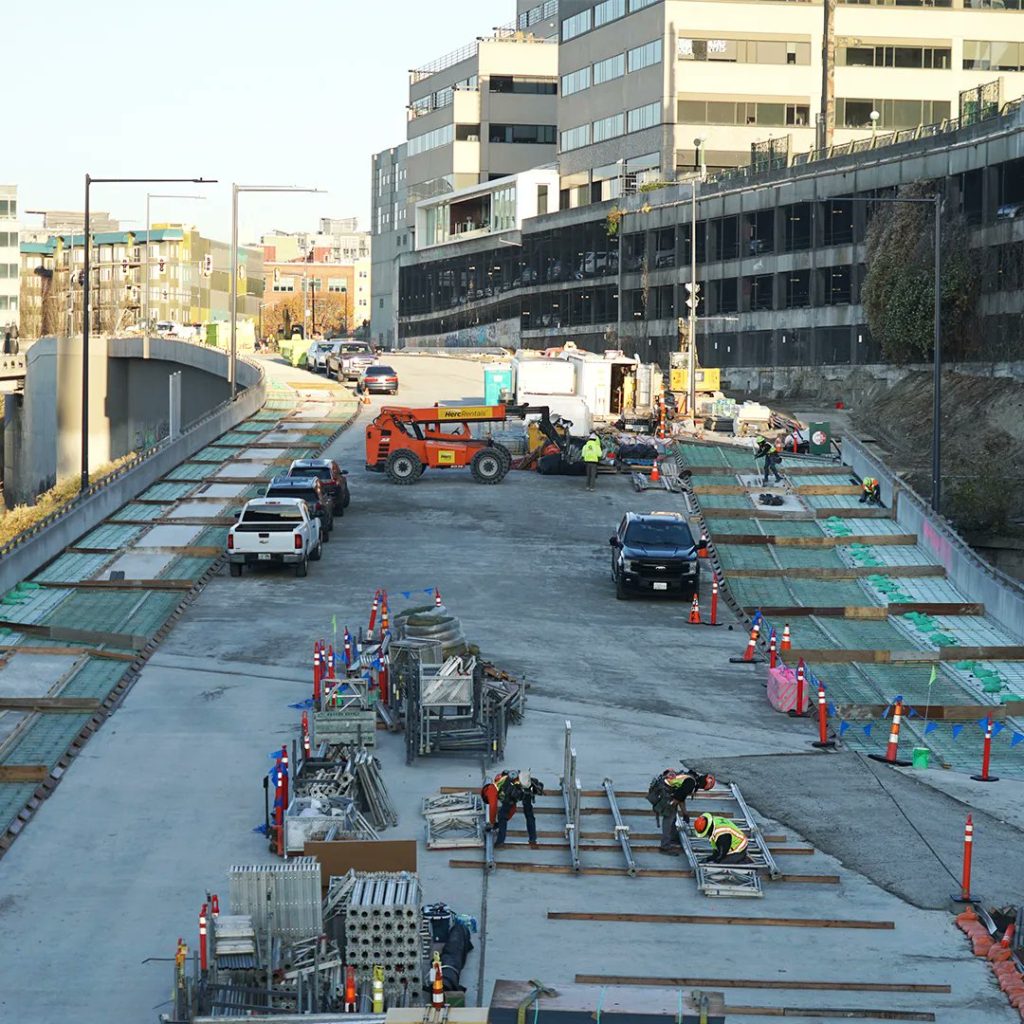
248	91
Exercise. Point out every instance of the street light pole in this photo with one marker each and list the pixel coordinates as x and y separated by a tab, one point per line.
89	181
691	359
235	190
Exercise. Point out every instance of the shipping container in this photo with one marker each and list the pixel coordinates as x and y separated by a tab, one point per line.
539	376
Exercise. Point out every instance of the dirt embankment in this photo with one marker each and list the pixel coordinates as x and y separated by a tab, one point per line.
982	443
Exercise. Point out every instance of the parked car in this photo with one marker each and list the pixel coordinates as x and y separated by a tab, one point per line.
331	476
654	552
311	492
280	531
317	353
349	360
379	379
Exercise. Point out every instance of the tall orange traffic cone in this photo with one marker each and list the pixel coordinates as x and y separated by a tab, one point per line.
695	611
785	645
655	473
436	983
748	654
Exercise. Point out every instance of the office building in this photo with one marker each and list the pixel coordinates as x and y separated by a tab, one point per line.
391	236
642	80
313	279
338	240
10	264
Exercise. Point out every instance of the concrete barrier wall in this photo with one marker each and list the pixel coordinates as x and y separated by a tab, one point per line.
18	561
1002	595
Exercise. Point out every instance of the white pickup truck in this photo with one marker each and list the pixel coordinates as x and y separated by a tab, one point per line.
275	530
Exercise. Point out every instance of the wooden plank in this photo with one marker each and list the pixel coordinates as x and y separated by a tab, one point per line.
819	1013
724	919
855	512
197	551
802	489
766	983
936	608
758	513
937	712
129	641
848	572
92	652
50	705
23	772
168	584
882	540
565	869
981	654
587	844
834	656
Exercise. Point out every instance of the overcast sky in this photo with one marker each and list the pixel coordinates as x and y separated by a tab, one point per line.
252	91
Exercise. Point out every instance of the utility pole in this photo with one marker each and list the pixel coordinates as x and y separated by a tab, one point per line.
827	117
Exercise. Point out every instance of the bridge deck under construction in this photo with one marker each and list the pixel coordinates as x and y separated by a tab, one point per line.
870	607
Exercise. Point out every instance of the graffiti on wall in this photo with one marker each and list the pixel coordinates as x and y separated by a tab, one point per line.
503	334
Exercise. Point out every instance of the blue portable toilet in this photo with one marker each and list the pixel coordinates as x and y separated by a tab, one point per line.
497	378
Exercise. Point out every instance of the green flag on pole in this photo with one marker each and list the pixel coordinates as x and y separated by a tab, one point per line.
935	672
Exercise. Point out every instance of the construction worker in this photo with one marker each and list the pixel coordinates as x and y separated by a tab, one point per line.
509	789
871	493
668	794
592	452
769	451
728	841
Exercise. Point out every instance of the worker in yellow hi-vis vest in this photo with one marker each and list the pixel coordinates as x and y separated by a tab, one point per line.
728	841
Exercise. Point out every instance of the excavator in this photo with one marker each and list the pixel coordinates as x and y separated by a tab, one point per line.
403	442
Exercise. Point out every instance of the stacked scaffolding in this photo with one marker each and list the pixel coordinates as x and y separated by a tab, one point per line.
572	793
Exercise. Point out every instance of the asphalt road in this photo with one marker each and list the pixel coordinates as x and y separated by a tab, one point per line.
164	799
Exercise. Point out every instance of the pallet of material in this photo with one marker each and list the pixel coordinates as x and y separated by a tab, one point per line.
350	727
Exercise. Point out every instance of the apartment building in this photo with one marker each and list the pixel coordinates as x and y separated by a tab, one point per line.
184	277
390	237
10	264
338	240
650	87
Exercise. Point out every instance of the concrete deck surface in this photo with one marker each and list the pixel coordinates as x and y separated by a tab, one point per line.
163	799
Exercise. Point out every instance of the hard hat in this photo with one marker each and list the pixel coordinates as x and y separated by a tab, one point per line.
709	781
593	436
525	778
702	824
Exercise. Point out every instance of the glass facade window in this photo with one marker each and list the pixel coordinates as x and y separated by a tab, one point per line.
8	207
576	25
744	51
530	134
524	86
503	208
644	56
608	127
980	55
894	114
639	5
576	81
730	112
646	116
431	140
608	10
574	138
896	56
609	68
336	284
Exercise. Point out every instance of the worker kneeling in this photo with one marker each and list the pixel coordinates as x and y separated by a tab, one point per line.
871	492
728	841
509	789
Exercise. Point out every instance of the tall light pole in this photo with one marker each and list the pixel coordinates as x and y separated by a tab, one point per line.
235	190
145	271
89	182
691	358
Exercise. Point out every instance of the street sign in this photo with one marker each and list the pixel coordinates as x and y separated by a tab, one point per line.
820	438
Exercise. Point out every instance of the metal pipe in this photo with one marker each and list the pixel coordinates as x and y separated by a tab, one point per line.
621	828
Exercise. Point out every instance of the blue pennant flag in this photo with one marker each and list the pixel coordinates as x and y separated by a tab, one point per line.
888	708
957	729
1017	737
757	617
912	713
867	729
303	705
843	726
982	724
833	710
930	727
406	594
275	753
428	590
997	728
262	829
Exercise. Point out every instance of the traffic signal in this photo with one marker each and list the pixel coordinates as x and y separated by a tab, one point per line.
162	265
692	295
208	264
124	267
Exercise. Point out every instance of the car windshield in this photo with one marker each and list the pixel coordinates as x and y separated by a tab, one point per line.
320	472
380	371
652	533
272	514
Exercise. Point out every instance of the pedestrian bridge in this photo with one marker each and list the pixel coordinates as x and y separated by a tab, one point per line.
12	374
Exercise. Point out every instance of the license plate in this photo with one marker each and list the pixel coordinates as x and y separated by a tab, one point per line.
660	586
263	558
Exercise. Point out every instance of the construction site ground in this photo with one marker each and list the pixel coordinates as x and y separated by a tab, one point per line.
163	799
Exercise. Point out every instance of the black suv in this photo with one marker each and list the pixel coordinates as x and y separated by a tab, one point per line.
331	477
654	552
309	488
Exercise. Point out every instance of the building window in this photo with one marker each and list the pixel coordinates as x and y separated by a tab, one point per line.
611	67
337	284
467	133
897	56
608	10
608	127
284	284
531	134
644	56
576	25
574	138
576	81
993	56
644	117
728	112
523	86
8	207
893	114
745	51
542	200
639	5
431	140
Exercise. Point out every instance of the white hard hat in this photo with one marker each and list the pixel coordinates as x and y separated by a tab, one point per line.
593	436
525	778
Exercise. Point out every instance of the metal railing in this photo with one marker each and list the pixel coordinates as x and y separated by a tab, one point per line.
572	793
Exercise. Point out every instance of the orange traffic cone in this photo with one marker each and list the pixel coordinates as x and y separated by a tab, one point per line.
695	611
436	983
785	645
748	654
655	474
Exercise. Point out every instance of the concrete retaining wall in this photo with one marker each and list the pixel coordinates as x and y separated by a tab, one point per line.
19	560
1002	596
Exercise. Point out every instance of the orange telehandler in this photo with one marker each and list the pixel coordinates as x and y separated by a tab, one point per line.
403	442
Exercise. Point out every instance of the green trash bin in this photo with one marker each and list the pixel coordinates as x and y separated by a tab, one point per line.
920	757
